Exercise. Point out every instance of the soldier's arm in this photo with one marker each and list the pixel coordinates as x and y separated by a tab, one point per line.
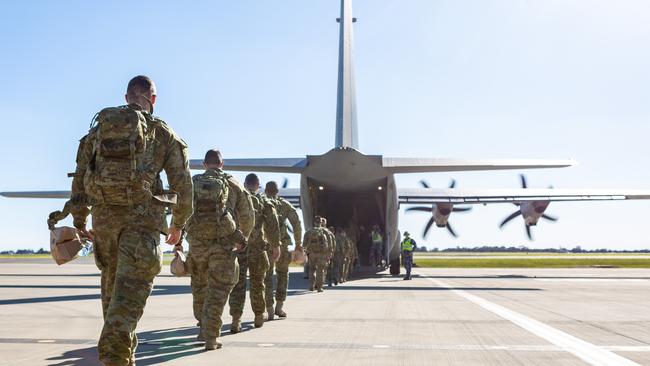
244	211
271	226
177	168
294	220
78	203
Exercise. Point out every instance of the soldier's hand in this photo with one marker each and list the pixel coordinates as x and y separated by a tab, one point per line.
276	254
174	235
87	234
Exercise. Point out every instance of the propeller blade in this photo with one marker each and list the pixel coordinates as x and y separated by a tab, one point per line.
285	183
453	183
512	216
530	235
420	208
461	209
550	218
426	228
524	184
424	184
451	231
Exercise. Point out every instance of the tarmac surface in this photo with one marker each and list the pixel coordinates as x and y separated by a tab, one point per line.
51	315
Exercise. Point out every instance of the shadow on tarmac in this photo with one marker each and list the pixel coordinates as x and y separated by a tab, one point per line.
154	347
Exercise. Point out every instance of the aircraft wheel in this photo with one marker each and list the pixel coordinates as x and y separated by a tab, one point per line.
394	267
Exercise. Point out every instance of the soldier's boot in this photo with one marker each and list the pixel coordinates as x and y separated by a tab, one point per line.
311	287
259	320
212	344
320	289
235	326
269	312
278	310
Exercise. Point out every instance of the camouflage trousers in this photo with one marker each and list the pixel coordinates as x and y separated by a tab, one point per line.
129	257
281	273
317	266
257	262
214	274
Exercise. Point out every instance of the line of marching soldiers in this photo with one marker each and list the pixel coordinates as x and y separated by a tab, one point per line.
331	252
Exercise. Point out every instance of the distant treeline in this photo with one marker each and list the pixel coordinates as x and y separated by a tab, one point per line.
519	249
482	249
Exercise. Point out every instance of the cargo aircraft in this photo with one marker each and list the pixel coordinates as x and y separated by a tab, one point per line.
352	188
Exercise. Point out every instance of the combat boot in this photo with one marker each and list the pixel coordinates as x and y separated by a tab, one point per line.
235	326
269	312
212	344
311	287
259	320
320	289
278	310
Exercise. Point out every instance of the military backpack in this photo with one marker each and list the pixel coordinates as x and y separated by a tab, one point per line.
120	172
211	216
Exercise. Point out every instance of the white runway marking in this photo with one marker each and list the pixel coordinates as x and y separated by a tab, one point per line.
586	351
590	280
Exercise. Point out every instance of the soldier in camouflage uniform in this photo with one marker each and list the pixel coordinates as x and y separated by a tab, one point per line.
265	235
331	245
285	211
117	180
218	229
340	256
318	251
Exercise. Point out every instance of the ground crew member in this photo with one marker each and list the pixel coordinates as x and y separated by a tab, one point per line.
265	234
117	179
376	255
286	212
316	247
408	246
222	222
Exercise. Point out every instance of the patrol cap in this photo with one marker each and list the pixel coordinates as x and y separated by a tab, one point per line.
406	233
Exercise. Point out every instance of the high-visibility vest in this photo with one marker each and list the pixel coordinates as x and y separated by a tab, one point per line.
376	237
407	245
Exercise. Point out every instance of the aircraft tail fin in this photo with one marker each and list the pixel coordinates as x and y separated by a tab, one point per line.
346	105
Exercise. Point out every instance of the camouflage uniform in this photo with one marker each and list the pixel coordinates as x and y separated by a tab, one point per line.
331	249
285	211
213	261
126	245
265	234
317	248
340	257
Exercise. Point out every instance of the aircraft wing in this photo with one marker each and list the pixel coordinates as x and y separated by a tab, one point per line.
290	194
430	165
516	195
269	165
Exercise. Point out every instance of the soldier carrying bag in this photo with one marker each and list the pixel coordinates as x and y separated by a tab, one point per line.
179	266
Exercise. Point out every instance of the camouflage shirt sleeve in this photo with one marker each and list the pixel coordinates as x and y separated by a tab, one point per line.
294	220
240	203
78	204
271	225
177	168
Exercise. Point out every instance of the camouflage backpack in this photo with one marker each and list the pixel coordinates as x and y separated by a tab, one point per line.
119	172
315	241
211	217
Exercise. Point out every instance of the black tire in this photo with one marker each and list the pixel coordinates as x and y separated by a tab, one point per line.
394	267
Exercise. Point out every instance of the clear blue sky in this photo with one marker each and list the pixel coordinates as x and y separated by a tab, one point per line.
470	79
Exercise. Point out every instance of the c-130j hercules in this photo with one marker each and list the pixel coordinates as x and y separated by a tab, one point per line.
349	187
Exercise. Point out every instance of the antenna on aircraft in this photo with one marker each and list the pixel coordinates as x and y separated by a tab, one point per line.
346	105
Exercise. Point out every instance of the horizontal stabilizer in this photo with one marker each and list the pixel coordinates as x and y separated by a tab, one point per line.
515	195
270	165
432	165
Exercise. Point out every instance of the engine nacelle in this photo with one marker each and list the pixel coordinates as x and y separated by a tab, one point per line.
441	213
533	211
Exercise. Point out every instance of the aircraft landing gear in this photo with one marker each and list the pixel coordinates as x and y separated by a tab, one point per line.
394	266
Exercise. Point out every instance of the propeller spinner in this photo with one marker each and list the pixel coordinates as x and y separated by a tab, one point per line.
439	212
